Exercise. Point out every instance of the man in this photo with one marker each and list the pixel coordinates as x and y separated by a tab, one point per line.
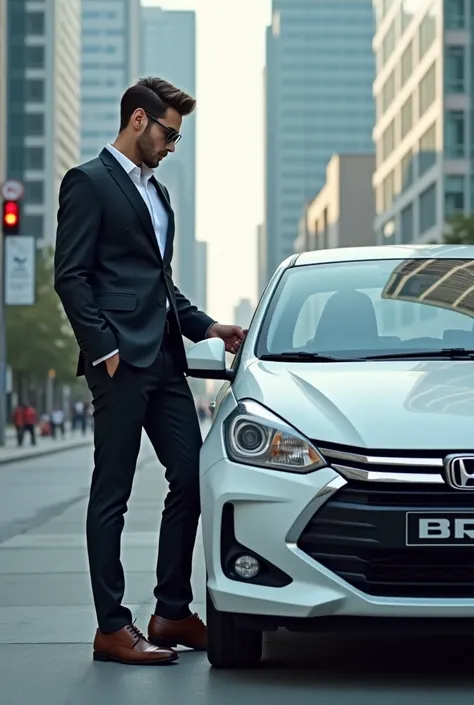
113	275
18	419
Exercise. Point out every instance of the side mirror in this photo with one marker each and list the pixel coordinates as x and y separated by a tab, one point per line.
206	360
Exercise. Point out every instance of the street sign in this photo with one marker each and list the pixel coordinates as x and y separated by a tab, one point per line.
20	280
12	190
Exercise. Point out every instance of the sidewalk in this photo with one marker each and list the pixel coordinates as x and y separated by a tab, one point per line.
11	453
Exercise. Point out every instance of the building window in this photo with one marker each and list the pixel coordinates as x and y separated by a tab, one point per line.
407	63
379	106
454	14
34	124
428	209
407	13
427	31
388	140
407	116
454	142
388	92
454	69
427	150
35	23
35	91
408	170
454	188
33	225
428	89
406	224
34	192
388	191
34	57
35	158
388	44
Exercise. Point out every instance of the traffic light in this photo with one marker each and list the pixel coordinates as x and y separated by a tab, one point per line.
11	217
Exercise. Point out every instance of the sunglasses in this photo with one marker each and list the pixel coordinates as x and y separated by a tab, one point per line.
172	137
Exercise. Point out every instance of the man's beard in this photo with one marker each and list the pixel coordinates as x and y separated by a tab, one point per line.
145	147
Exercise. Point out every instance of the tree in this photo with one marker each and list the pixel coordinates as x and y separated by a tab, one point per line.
461	230
39	337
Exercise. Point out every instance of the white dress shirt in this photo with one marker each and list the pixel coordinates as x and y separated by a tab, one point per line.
140	176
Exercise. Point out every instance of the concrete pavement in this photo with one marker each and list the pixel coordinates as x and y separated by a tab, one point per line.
11	452
47	620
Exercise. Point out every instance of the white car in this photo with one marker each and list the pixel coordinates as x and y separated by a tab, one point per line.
337	479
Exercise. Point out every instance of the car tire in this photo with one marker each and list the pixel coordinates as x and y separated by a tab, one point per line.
230	646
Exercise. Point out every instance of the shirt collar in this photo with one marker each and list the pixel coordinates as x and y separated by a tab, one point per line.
128	165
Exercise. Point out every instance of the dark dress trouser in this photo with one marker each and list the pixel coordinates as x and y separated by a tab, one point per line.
159	400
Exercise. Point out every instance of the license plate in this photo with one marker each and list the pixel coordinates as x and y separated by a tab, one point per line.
445	528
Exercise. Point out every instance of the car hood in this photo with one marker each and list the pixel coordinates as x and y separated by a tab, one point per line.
373	405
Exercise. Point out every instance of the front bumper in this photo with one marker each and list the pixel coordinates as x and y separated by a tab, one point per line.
272	513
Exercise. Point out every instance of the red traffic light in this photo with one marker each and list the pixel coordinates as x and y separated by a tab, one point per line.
11	216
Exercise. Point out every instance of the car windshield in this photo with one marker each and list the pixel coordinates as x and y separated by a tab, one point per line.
363	308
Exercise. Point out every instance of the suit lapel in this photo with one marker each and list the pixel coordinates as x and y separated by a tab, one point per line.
124	181
171	224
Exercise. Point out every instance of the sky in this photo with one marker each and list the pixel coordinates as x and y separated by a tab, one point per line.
230	142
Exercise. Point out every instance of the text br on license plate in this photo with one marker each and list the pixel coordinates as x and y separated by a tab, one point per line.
433	528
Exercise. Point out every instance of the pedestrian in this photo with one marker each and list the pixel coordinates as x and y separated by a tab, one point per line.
18	420
79	418
57	422
30	420
113	275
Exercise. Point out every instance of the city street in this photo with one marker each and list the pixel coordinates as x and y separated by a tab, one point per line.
47	620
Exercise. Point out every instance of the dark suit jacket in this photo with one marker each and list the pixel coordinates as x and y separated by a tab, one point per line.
109	273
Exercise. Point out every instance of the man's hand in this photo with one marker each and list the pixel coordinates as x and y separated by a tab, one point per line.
112	363
233	336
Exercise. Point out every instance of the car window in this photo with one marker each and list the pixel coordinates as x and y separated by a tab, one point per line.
374	306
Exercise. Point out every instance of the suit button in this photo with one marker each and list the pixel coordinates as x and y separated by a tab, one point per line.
162	302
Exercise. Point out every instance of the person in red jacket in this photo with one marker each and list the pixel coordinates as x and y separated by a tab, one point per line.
30	421
18	420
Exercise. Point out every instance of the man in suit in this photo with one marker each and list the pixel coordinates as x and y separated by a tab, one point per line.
113	275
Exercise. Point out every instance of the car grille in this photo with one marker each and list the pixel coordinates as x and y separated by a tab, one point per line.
359	533
357	463
409	496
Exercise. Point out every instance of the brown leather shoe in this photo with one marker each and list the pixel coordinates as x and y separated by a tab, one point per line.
129	646
190	632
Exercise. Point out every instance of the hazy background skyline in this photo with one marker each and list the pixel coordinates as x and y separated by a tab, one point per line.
230	142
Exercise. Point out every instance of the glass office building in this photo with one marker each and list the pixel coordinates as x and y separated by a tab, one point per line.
424	126
319	75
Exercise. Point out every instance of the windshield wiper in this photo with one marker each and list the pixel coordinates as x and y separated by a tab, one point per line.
302	357
450	353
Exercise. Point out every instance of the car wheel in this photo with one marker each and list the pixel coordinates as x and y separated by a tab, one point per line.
230	646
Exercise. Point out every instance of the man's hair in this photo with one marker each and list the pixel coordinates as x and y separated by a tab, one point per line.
154	96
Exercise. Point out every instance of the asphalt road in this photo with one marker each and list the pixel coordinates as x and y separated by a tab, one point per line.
47	620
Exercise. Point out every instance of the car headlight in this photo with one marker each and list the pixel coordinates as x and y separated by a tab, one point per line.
255	436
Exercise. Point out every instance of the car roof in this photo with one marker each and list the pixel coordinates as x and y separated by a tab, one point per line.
350	254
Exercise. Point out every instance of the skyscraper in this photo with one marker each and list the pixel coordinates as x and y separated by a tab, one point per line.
261	260
319	74
243	313
200	294
43	108
424	131
110	63
3	88
169	51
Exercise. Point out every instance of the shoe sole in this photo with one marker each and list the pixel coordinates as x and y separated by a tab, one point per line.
106	658
165	643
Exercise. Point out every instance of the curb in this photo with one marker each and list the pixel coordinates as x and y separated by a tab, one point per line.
45	451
